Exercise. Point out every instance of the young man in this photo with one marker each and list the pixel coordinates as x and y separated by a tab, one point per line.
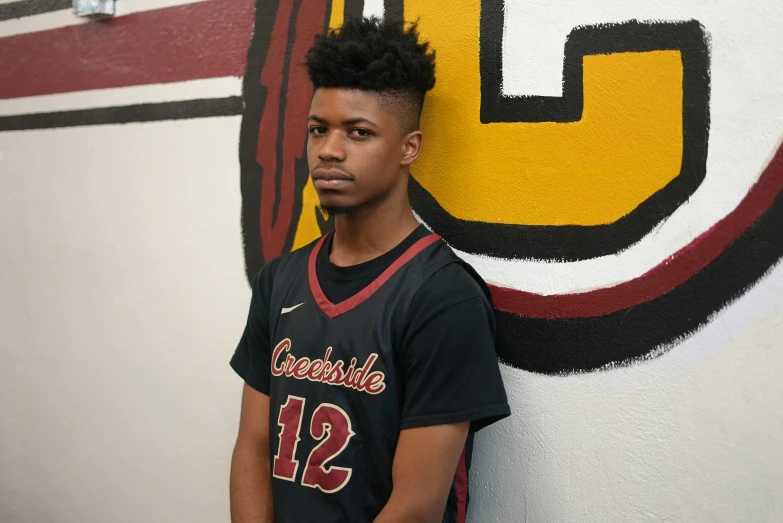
368	356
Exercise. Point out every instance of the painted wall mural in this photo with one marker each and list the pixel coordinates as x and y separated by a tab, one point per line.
511	181
148	44
613	169
558	199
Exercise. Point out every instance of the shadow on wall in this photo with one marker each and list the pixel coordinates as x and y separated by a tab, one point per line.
563	179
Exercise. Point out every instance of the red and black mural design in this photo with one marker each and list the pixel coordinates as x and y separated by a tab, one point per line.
174	44
277	96
264	42
546	334
272	141
620	324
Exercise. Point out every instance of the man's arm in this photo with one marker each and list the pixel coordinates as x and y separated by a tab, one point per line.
251	481
452	385
424	466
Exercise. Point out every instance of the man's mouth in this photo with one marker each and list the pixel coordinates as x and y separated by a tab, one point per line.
330	179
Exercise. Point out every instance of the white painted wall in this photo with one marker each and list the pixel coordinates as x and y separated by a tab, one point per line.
122	295
694	435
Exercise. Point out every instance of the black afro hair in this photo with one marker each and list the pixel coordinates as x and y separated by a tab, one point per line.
372	54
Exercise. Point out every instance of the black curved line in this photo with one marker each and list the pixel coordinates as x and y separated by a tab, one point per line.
301	167
555	346
147	112
353	9
24	8
575	242
255	98
394	9
297	4
250	171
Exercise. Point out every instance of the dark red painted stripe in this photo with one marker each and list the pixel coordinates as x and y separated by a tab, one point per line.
267	149
332	310
663	278
311	21
202	40
462	489
276	221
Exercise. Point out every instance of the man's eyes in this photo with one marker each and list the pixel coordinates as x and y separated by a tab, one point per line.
360	133
317	130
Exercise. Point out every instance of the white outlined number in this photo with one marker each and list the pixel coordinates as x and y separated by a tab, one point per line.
290	418
332	427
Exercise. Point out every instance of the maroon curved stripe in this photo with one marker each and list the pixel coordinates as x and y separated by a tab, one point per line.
266	148
674	271
173	44
311	21
311	17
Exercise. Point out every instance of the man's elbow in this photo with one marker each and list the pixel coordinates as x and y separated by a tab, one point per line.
415	509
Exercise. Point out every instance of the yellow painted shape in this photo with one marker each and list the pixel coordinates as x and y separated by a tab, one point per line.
337	15
627	145
307	228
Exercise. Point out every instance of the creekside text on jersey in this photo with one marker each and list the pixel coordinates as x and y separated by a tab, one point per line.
324	371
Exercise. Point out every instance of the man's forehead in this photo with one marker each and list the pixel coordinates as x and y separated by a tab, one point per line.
339	105
341	99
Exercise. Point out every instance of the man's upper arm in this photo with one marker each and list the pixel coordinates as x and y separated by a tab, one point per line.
450	368
425	462
252	356
254	417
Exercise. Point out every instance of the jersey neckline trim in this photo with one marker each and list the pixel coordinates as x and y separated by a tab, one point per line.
333	310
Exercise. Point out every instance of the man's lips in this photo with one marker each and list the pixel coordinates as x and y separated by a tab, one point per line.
330	179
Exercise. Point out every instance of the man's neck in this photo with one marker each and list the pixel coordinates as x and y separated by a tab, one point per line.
368	232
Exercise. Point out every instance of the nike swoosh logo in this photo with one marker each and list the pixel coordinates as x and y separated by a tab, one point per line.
286	310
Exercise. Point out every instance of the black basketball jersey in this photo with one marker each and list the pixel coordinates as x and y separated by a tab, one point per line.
337	390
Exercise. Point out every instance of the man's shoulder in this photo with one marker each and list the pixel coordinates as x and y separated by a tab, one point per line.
295	257
274	268
454	279
453	301
452	282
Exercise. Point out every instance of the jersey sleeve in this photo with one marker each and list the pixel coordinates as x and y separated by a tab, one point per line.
252	356
449	365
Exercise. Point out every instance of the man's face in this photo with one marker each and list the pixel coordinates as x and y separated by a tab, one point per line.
354	148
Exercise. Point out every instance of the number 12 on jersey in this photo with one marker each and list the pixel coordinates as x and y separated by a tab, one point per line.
331	426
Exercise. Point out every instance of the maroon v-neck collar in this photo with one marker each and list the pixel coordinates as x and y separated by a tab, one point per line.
333	310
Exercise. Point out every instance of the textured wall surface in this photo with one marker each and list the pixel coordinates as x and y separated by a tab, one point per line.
613	169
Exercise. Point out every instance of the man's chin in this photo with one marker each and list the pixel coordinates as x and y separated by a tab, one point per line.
336	210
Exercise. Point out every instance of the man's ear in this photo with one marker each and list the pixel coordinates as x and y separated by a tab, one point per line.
411	147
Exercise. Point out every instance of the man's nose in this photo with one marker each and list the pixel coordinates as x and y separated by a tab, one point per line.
332	148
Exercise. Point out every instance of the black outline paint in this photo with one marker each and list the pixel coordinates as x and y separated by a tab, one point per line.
251	173
353	8
394	9
24	8
281	115
148	112
574	242
555	346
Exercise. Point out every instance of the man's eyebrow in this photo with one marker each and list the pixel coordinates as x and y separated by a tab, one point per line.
350	121
359	120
